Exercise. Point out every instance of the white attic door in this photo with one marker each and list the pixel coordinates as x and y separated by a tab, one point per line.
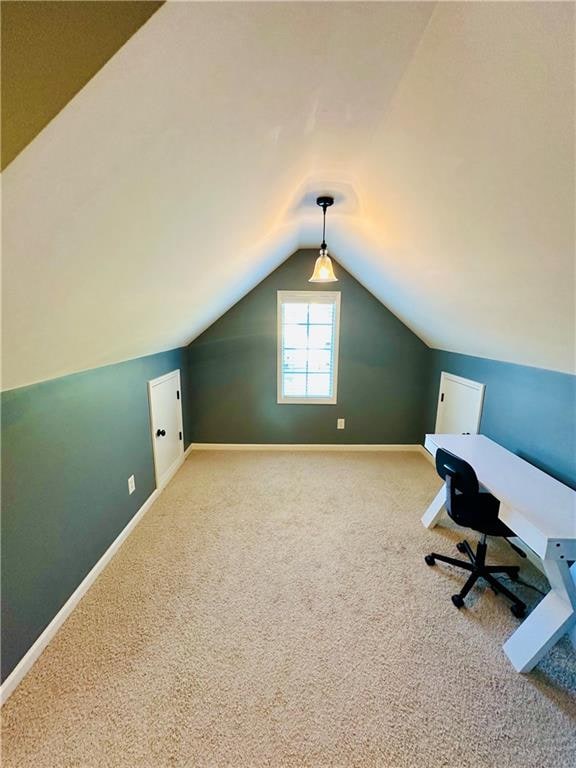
166	425
459	405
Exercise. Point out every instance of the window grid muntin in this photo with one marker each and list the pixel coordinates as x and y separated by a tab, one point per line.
307	349
313	377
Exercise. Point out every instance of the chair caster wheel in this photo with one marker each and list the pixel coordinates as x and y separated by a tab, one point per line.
458	601
518	610
429	560
461	547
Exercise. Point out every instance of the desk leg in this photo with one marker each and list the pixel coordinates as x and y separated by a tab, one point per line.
430	517
552	618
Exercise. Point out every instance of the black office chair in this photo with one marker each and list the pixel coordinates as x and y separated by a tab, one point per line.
479	511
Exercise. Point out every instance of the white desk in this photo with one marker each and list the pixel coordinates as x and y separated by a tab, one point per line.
542	513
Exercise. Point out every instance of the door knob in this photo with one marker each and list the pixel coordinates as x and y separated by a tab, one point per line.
160	433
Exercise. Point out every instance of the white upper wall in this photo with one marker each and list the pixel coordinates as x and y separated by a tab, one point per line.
183	173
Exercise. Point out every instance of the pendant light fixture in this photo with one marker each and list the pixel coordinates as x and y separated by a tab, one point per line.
323	270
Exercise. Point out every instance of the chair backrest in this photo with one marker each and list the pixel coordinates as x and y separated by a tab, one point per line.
457	473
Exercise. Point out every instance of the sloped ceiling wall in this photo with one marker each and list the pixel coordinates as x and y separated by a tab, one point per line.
186	170
469	185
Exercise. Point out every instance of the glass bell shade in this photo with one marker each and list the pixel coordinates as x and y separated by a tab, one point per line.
323	270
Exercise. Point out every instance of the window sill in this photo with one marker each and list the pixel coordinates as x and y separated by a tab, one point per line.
307	401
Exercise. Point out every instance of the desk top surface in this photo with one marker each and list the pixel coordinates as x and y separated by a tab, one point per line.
547	504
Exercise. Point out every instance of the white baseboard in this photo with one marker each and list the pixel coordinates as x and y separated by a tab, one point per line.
27	661
175	467
299	447
427	455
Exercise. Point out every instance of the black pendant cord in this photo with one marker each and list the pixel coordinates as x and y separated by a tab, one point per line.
324	202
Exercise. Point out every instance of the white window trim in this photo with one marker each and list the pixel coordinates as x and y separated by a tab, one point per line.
320	297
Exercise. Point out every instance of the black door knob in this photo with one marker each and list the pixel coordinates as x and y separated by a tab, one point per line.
160	433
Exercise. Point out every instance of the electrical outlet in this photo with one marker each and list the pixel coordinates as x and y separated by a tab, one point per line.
131	484
340	423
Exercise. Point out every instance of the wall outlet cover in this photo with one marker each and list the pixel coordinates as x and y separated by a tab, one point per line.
131	484
340	423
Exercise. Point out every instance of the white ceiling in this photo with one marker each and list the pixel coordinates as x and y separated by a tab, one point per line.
186	170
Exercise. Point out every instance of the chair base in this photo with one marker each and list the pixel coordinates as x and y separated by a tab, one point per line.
476	565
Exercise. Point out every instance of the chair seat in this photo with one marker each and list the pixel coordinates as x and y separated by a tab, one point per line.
495	528
479	512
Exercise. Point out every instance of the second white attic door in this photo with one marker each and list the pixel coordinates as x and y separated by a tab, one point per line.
166	425
459	405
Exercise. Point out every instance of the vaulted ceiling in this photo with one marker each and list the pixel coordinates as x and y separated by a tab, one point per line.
186	170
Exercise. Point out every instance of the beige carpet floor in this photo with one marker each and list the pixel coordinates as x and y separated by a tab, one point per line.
274	609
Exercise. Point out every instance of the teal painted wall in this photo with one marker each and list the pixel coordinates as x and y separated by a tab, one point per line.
530	411
68	448
69	445
383	371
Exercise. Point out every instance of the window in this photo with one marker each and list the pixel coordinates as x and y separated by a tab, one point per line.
308	330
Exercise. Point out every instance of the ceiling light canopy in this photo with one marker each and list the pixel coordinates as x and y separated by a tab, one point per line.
323	269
